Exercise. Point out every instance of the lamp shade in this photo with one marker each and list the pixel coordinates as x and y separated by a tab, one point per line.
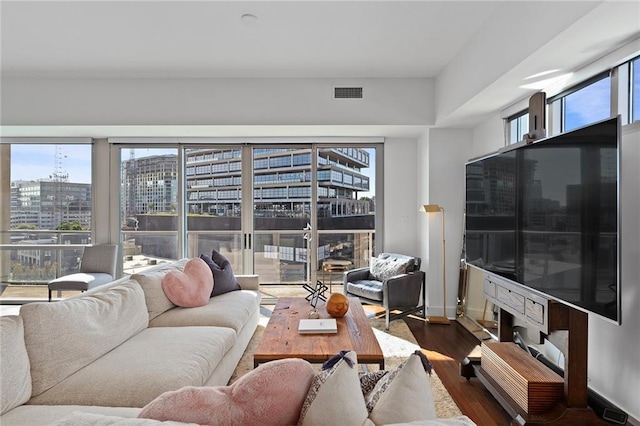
431	208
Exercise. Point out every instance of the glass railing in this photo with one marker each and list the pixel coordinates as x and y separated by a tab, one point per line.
31	258
144	249
228	243
280	257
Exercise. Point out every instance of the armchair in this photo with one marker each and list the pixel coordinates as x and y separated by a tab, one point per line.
393	281
97	267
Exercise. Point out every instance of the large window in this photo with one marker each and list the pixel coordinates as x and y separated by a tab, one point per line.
578	106
587	105
518	127
635	90
165	215
47	215
149	206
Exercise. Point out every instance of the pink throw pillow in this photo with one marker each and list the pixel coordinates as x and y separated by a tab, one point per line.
190	288
272	394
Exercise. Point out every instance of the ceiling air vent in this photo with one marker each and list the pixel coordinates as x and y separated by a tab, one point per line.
347	92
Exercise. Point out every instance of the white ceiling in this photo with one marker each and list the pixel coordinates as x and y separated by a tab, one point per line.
209	39
318	39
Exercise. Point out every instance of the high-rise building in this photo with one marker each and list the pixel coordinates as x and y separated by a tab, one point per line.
45	204
150	184
281	182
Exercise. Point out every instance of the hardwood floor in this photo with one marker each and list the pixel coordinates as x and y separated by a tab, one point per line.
447	345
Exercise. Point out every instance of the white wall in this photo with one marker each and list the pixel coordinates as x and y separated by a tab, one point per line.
422	197
214	102
448	150
400	203
613	350
488	137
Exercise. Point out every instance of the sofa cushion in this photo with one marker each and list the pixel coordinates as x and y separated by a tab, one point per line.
335	397
189	288
15	377
383	269
66	336
155	297
272	394
370	289
152	362
83	419
151	282
227	310
45	415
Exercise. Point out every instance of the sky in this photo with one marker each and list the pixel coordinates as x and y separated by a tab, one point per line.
588	105
39	161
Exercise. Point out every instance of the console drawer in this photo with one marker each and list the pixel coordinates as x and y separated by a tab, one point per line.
489	288
534	311
510	298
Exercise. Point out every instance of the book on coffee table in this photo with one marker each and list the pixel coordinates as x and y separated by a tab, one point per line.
317	326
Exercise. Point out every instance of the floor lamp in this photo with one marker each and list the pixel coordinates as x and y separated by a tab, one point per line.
434	208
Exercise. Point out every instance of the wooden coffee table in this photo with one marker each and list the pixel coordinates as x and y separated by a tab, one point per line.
282	340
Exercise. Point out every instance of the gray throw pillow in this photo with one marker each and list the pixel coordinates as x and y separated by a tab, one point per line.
224	280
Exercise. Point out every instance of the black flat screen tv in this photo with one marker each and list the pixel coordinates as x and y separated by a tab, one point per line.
546	216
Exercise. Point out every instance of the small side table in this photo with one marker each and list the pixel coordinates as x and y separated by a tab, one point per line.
334	266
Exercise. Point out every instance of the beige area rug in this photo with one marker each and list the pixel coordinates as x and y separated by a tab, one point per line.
397	344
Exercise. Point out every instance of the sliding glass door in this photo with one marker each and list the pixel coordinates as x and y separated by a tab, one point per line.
346	218
282	179
149	207
214	196
314	211
279	211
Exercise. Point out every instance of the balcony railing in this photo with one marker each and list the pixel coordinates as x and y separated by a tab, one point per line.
31	258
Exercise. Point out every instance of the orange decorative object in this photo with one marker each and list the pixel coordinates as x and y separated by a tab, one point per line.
337	305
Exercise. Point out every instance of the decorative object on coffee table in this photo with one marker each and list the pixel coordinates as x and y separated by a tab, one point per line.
313	300
434	208
316	291
314	314
337	305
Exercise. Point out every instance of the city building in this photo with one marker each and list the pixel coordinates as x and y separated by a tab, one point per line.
149	184
47	203
281	182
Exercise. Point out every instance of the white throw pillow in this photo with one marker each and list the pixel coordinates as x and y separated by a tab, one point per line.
383	269
335	397
407	386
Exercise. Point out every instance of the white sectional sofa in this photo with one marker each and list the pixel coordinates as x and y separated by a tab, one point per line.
113	349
